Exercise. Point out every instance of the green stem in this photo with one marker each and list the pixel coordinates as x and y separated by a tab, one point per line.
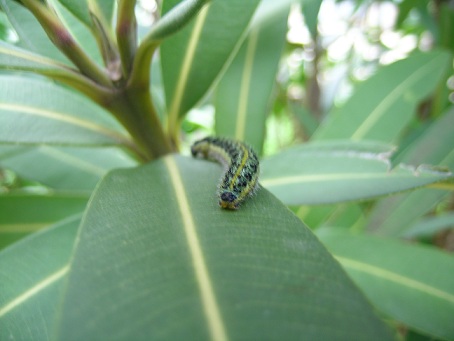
130	102
133	108
126	33
63	39
106	41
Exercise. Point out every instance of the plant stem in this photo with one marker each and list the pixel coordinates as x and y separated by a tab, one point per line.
106	41
129	101
63	39
126	33
133	108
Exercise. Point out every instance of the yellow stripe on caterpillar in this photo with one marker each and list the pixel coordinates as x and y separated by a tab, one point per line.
241	168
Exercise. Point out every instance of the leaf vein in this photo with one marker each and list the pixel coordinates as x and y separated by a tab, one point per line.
43	284
186	66
245	85
27	110
394	277
209	302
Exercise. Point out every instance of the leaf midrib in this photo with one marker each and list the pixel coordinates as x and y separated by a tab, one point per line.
391	276
391	98
40	286
56	116
279	181
209	302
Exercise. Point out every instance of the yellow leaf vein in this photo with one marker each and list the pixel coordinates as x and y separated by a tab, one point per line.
209	302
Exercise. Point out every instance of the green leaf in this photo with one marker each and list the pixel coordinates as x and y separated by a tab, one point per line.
308	122
243	96
31	273
156	257
63	168
316	216
17	59
446	20
268	9
12	57
412	284
337	171
80	9
194	57
430	226
349	216
405	7
434	144
393	215
383	105
24	213
35	111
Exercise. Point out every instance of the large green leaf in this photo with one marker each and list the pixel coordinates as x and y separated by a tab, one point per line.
156	257
337	171
382	106
31	275
35	111
24	213
243	96
410	283
393	215
194	57
63	168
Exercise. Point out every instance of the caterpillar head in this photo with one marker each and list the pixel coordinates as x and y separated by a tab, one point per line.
228	200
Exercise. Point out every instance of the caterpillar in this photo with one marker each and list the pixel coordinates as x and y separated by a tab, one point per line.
241	168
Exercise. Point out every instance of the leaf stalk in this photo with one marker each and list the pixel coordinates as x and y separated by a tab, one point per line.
65	42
